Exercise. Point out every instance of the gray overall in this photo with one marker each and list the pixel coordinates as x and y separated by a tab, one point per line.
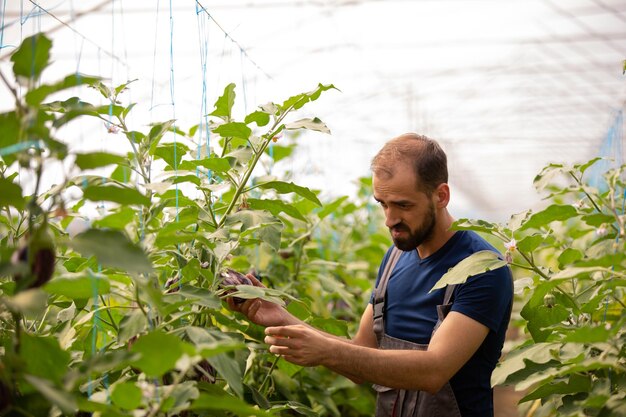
393	402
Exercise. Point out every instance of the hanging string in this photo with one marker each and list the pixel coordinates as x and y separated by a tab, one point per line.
173	101
227	35
100	49
203	38
4	10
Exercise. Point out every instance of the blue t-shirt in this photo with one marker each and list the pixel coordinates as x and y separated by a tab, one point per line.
411	312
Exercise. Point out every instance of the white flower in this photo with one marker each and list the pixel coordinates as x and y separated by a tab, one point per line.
602	231
511	246
579	204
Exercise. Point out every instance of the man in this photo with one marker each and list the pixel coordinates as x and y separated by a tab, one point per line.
428	354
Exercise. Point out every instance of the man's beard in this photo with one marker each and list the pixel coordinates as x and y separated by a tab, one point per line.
422	234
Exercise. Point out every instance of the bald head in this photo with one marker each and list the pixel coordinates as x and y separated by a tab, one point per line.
424	155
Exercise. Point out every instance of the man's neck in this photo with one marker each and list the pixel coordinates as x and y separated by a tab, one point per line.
441	234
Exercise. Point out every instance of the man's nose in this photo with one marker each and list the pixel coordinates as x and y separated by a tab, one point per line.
391	219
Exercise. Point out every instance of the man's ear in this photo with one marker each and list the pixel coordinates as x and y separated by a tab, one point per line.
442	195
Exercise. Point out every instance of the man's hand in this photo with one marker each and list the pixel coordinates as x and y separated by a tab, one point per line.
298	344
261	312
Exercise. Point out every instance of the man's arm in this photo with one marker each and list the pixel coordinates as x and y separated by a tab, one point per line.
454	343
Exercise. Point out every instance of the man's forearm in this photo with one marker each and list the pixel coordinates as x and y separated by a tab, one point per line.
404	369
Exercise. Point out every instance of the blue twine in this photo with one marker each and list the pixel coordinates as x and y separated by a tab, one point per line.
173	101
4	9
17	147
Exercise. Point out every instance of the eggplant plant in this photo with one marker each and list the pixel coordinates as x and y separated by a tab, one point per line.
112	280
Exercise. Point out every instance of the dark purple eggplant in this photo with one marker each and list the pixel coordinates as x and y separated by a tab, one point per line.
230	277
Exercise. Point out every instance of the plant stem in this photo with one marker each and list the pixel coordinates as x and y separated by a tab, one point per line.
109	314
269	372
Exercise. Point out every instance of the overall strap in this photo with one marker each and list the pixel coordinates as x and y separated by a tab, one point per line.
380	293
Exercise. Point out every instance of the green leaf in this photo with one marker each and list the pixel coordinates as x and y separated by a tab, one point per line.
279	152
37	95
569	256
78	287
98	159
159	352
220	401
215	164
156	134
261	118
171	153
233	130
475	264
300	100
530	243
547	174
275	207
116	194
9	135
131	325
200	296
576	384
43	357
539	317
224	104
117	220
65	401
111	248
32	56
555	212
284	188
475	225
331	207
332	326
11	194
588	334
126	395
310	124
516	361
598	219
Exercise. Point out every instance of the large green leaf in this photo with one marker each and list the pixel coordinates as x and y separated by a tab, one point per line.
214	164
32	56
576	384
111	248
93	160
116	194
37	95
220	401
126	395
117	220
475	264
64	400
131	325
75	107
551	213
78	286
171	153
157	132
516	361
44	357
224	104
11	194
199	296
275	207
9	134
233	130
259	117
475	225
282	187
310	124
159	352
